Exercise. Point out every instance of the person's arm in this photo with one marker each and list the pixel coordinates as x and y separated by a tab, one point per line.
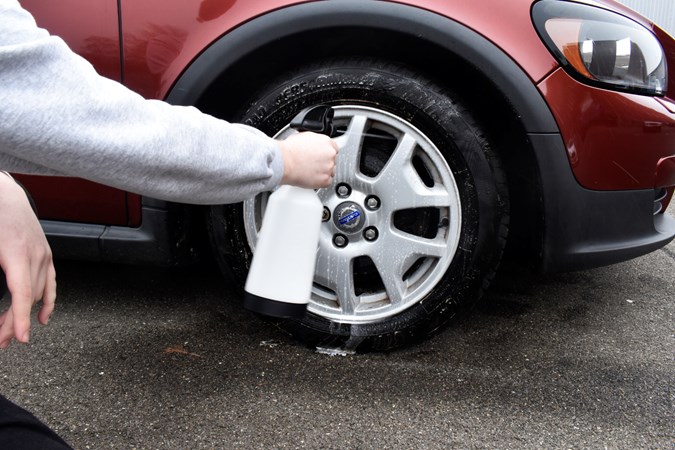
59	117
26	259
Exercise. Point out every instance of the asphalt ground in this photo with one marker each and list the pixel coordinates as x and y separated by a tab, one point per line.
143	358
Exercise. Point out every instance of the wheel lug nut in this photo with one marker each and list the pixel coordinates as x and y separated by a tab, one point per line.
372	202
370	234
340	240
343	190
325	215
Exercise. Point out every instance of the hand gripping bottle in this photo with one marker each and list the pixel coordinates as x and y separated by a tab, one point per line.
279	282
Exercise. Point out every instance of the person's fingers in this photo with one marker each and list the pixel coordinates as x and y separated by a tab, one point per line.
19	285
6	329
49	298
40	281
26	260
309	160
326	182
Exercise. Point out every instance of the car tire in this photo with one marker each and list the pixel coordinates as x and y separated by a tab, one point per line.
438	223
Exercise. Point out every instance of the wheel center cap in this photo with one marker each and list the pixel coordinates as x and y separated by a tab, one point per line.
349	217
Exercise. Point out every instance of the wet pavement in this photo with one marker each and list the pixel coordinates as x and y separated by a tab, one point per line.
155	359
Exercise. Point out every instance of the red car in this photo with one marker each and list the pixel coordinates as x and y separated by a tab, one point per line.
537	131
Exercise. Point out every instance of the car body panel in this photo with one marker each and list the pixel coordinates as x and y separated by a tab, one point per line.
614	140
589	228
90	29
161	38
506	24
156	55
76	200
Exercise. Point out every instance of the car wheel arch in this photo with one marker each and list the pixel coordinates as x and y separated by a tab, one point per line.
219	79
312	20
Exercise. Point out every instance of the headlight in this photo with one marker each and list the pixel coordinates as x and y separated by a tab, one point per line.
602	48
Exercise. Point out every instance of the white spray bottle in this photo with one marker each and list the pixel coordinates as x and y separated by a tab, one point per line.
279	282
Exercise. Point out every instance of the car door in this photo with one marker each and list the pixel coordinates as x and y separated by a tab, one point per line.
91	29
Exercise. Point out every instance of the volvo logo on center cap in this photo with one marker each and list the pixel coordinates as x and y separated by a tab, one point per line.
348	217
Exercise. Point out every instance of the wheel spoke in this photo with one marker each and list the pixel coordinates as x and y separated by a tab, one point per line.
394	285
334	271
396	253
350	148
401	158
344	286
403	182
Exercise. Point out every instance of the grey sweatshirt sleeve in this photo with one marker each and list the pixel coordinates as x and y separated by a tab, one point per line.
59	117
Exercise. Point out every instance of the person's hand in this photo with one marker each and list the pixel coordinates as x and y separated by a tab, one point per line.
26	259
309	160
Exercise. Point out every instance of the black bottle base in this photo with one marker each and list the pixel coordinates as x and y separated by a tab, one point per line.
274	308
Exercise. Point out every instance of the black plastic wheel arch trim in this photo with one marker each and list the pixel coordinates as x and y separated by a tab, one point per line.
456	38
586	228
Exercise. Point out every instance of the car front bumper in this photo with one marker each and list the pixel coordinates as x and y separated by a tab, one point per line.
586	228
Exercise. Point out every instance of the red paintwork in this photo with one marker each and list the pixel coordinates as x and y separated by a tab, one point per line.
162	37
77	200
89	28
155	54
506	23
614	140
